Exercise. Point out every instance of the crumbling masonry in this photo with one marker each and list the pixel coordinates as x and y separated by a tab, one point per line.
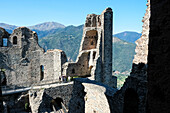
146	90
95	54
24	62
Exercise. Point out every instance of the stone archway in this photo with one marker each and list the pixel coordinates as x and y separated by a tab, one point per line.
131	101
56	104
14	40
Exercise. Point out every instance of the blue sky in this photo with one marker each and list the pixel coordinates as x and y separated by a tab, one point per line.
128	14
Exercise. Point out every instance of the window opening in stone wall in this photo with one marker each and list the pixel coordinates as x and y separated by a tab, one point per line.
88	57
73	71
92	43
4	42
14	40
94	54
131	101
42	72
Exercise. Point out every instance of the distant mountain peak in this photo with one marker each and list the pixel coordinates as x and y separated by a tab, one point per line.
47	26
128	36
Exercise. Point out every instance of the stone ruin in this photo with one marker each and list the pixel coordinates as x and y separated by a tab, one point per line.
24	62
146	90
95	54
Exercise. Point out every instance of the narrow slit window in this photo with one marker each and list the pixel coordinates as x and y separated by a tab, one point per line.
42	72
94	54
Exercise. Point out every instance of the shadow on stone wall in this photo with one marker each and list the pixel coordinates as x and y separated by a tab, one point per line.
77	102
137	81
16	103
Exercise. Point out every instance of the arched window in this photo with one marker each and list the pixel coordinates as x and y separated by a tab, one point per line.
131	101
73	71
41	72
14	40
91	42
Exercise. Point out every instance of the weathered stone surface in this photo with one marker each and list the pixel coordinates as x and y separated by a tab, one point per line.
41	100
35	99
24	62
21	59
52	61
95	54
90	96
142	43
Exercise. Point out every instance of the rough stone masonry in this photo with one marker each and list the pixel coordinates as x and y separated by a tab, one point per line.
95	54
146	90
24	62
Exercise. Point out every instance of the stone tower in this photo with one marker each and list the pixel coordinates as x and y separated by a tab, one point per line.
95	54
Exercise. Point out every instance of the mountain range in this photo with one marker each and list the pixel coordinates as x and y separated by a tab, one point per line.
46	26
128	36
54	35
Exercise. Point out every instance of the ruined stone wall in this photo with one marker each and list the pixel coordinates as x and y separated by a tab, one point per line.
52	62
142	43
41	99
136	83
90	41
159	58
21	60
89	96
95	54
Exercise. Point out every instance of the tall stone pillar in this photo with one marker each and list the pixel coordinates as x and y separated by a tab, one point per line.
107	18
